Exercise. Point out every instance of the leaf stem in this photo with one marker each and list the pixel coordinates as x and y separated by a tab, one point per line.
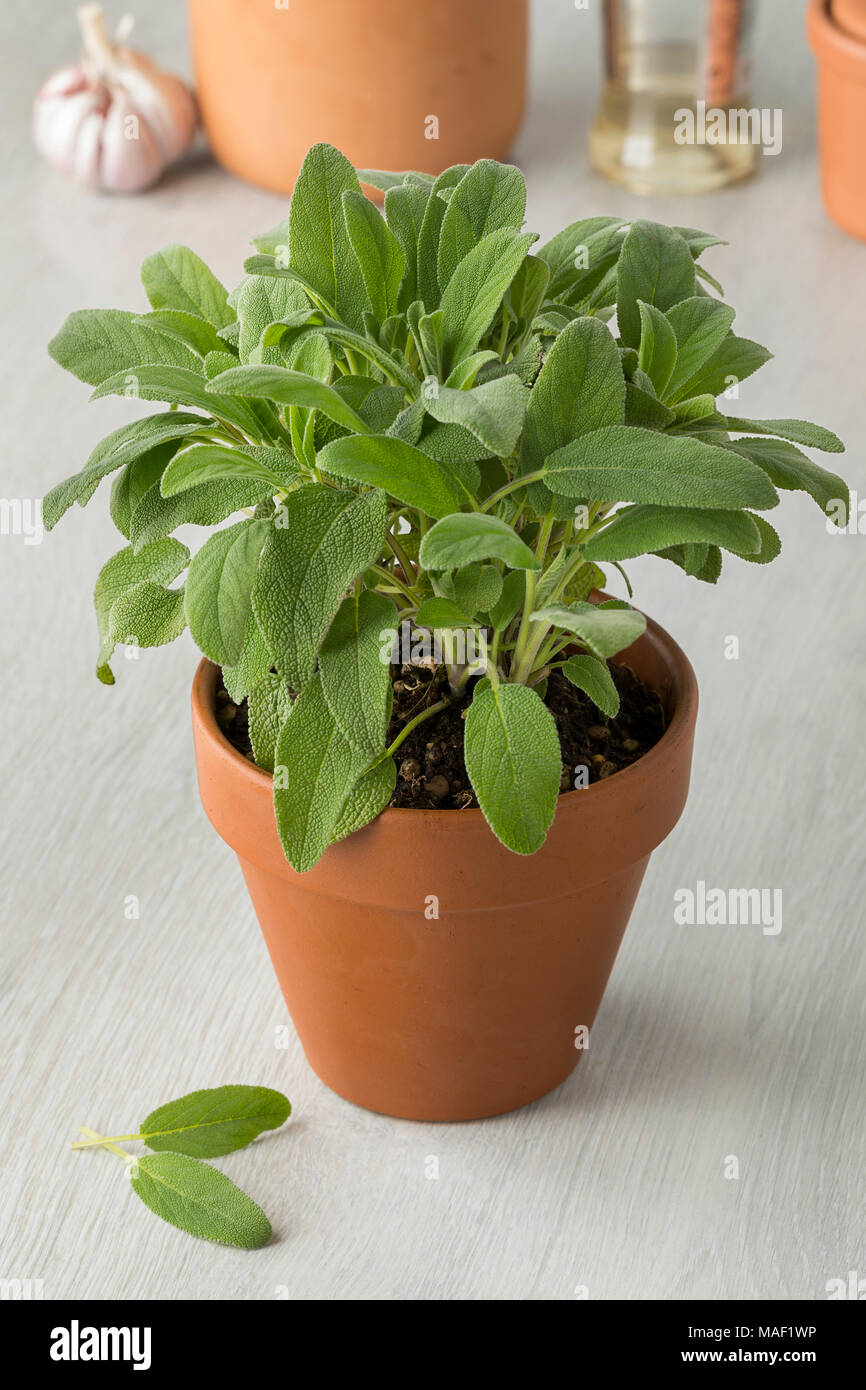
407	729
515	483
544	537
523	631
97	1141
391	578
402	557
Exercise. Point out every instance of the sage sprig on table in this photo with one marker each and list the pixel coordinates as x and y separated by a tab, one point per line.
423	417
176	1184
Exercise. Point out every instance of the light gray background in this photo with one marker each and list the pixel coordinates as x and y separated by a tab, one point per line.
712	1041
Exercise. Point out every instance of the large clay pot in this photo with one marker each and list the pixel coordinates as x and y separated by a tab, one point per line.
837	34
367	77
476	1010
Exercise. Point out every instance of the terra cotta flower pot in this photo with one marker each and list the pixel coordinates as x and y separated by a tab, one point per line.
394	84
430	973
837	34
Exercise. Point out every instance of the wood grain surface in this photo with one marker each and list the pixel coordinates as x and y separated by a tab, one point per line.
712	1041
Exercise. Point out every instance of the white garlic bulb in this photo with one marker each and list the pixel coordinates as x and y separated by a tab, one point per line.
114	120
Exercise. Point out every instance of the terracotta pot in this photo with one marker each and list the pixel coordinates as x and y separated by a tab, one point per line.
365	77
837	34
473	1012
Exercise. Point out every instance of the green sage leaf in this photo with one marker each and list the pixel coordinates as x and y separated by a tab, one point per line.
378	253
319	246
206	1124
494	412
95	344
593	677
356	683
269	706
288	388
656	266
323	540
636	465
490	196
119	448
314	769
468	536
219	589
604	630
367	799
199	1200
176	278
398	468
514	763
475	291
642	530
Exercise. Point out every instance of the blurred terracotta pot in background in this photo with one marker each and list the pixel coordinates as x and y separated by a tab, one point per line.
377	79
837	34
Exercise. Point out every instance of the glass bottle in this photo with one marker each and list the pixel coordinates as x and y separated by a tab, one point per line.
668	64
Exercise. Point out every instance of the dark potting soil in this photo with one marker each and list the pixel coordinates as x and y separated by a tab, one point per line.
431	773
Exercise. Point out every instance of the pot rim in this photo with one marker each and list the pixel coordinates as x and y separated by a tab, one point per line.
678	665
832	44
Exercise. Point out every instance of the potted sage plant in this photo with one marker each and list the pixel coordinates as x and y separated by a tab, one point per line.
441	752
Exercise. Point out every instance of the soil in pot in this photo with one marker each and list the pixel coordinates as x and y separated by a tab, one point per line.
431	773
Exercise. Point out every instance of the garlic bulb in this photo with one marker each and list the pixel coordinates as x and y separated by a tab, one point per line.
114	120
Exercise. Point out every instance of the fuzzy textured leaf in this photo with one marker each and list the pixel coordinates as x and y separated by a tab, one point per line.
219	589
700	327
202	463
179	386
514	763
119	448
398	468
319	246
465	537
494	412
580	388
656	266
252	667
604	630
642	530
199	1199
269	705
490	196
593	677
94	344
636	465
475	291
327	539
797	431
176	278
288	388
160	563
314	769
367	799
206	1124
658	346
207	504
356	683
378	253
146	616
790	469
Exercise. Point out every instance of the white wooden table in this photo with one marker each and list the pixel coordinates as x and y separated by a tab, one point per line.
712	1041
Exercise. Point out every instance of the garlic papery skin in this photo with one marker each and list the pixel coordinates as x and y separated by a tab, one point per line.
115	120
